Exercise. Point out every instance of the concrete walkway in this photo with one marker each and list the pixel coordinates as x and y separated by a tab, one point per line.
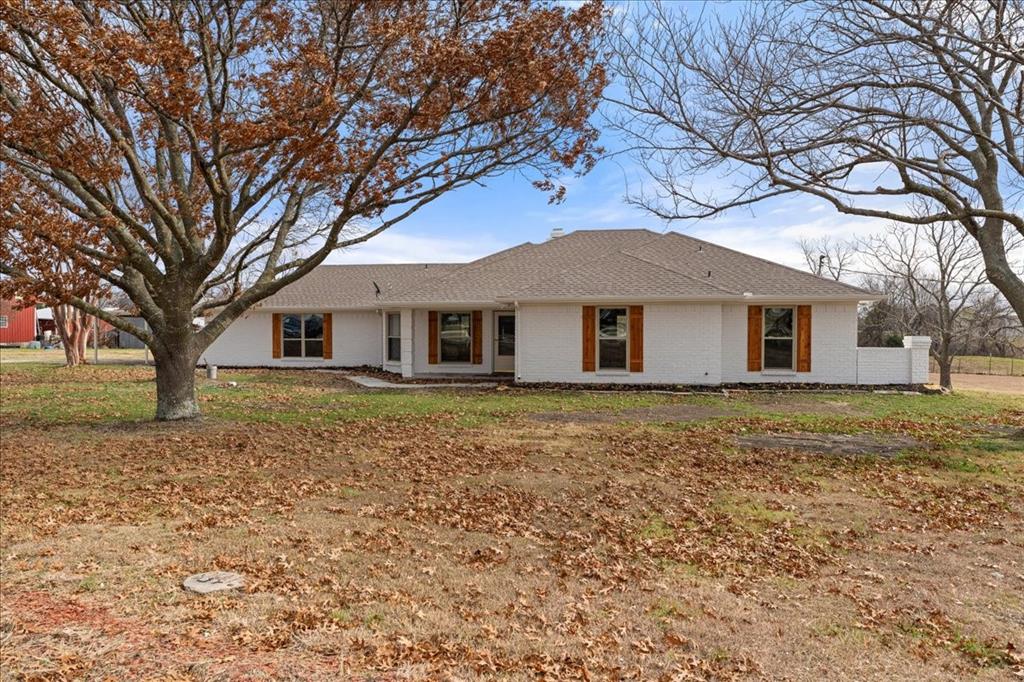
376	382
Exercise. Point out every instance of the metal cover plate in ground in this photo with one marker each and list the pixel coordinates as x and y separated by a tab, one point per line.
214	581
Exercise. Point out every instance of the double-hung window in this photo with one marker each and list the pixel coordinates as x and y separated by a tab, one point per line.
3	322
612	338
455	330
303	336
778	338
394	323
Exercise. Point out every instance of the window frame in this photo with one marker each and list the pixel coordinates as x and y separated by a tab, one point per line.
598	339
791	338
388	337
4	322
498	315
440	340
302	339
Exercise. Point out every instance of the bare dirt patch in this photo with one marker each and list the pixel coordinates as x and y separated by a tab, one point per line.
983	382
841	444
659	413
748	403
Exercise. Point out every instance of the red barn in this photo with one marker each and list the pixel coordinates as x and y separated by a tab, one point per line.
17	325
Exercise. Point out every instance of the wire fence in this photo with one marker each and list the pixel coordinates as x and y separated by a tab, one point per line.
985	364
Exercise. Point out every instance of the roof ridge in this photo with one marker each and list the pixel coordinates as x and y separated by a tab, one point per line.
385	265
463	267
798	271
580	264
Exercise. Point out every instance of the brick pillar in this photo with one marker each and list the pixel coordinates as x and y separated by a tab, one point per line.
918	347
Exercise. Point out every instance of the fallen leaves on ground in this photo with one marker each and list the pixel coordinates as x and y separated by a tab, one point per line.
419	547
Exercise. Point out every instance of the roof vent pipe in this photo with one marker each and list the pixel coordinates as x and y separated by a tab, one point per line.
557	232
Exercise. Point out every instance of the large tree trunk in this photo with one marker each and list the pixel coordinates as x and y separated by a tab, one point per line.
74	328
946	372
176	385
944	359
997	267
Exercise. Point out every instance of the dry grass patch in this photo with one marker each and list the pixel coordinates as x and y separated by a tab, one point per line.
420	546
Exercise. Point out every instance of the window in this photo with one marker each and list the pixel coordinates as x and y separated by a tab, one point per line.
303	336
455	332
778	338
3	322
394	337
506	334
612	338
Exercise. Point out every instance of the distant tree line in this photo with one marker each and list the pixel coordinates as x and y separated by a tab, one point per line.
933	282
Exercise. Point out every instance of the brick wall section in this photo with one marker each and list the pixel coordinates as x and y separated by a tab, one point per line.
883	366
420	366
907	365
918	347
247	342
833	346
681	345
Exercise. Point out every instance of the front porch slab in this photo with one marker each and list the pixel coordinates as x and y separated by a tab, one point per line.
378	383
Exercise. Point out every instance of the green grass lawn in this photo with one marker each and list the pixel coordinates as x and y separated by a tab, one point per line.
56	355
44	394
983	364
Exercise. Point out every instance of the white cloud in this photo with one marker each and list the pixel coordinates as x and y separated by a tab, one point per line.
396	247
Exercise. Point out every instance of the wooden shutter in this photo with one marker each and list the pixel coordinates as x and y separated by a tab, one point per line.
754	321
476	331
589	337
432	340
803	338
636	338
328	337
275	334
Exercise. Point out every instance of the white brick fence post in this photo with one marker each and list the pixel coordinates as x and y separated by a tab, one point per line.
918	347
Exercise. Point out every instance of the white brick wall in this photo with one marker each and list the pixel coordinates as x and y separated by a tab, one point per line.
883	366
833	346
907	365
918	347
681	345
420	330
356	340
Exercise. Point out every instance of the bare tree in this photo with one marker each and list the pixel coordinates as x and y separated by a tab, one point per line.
934	275
996	330
828	257
861	103
173	148
54	280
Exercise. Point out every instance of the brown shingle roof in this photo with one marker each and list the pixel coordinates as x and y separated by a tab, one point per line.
618	275
587	264
738	272
352	286
497	276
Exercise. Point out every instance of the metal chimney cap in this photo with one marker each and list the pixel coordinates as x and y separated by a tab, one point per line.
557	232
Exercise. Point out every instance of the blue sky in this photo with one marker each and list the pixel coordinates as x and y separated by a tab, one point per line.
475	221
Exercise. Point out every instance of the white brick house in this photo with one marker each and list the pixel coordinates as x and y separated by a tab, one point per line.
593	306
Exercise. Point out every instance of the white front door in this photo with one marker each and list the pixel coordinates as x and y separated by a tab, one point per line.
504	342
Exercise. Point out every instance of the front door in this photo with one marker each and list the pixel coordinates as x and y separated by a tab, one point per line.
504	342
